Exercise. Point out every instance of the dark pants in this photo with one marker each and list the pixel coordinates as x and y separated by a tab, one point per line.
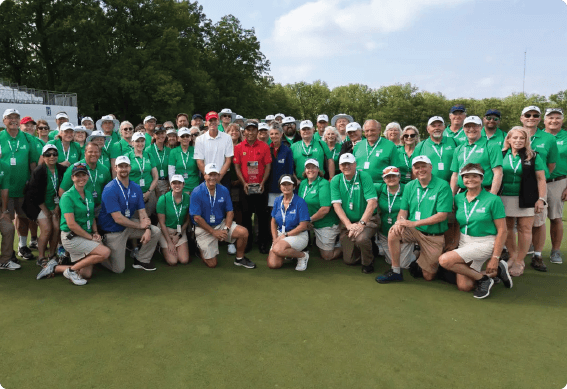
258	204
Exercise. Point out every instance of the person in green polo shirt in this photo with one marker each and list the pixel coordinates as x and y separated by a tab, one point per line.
181	161
60	118
491	131
308	148
375	153
322	123
226	117
69	150
7	230
160	153
97	137
457	115
355	202
477	150
316	191
110	127
144	171
482	222
410	139
438	148
150	123
422	219
124	146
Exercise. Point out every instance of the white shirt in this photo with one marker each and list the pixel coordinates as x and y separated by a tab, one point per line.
215	150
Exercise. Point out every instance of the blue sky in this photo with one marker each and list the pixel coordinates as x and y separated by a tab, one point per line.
461	48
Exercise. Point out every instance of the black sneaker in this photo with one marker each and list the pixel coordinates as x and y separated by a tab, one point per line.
415	270
144	266
505	256
245	262
368	269
41	262
483	287
390	276
33	244
537	263
25	253
14	258
504	274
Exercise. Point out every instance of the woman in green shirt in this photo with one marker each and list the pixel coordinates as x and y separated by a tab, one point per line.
410	138
316	191
160	153
144	171
81	134
181	161
69	151
332	138
481	218
173	217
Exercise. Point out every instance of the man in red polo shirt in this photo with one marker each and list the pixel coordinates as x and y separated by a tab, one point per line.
253	161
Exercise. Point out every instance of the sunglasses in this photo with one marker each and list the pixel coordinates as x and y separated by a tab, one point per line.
52	154
409	136
185	136
226	116
42	128
529	115
492	118
128	129
169	128
194	135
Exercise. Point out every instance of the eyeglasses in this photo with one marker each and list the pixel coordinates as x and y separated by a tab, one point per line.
53	154
128	129
226	116
492	118
194	134
409	136
185	136
169	128
42	128
529	115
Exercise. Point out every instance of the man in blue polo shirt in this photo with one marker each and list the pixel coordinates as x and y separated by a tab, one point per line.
121	198
212	214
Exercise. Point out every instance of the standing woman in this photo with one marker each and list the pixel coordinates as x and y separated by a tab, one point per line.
393	132
171	135
332	138
41	201
410	138
522	183
81	133
69	151
42	132
290	220
173	217
160	153
181	160
236	135
316	192
144	171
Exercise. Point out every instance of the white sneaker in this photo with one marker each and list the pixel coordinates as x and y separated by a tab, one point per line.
302	262
9	266
74	277
231	249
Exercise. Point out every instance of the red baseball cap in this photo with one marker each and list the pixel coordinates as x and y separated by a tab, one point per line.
211	115
27	119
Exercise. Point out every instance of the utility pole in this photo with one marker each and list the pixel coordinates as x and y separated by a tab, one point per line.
524	83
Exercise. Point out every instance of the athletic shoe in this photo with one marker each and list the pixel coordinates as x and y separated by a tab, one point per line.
145	266
531	249
231	249
9	266
368	269
263	249
556	257
537	263
245	262
505	256
504	274
302	262
33	244
74	277
390	276
483	287
14	258
415	270
134	253
25	253
41	262
48	270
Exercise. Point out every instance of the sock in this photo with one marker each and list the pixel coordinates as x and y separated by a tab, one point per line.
23	241
396	269
239	259
537	253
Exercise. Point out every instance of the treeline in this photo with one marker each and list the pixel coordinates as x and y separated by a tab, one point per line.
162	57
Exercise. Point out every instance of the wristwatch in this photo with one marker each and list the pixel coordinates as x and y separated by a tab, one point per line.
285	234
362	222
6	211
542	199
227	229
149	227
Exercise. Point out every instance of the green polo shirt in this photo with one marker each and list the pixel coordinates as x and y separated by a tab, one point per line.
4	176
98	178
73	153
481	212
120	148
358	191
23	149
72	202
185	165
497	138
561	164
52	134
488	156
142	169
434	198
511	179
546	145
39	146
148	139
161	157
166	207
301	152
459	137
51	191
441	155
389	205
405	164
317	195
335	153
373	159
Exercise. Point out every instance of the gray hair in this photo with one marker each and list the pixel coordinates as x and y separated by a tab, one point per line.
170	124
195	128
407	128
276	126
392	126
372	121
126	123
334	131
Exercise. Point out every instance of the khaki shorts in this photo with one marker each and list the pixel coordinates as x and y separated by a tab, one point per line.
555	204
326	237
207	243
78	247
297	242
172	232
406	252
476	249
431	248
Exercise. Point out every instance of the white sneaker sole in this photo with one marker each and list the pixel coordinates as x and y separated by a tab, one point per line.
143	268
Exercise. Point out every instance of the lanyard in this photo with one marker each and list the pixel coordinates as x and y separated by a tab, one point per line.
285	212
352	186
468	215
157	153
335	150
177	214
406	159
212	200
143	165
91	176
422	197
309	186
88	210
68	151
183	159
307	154
107	144
54	181
391	205
17	146
465	154
512	165
123	194
440	154
371	151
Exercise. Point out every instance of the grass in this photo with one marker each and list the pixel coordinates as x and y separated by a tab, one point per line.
328	327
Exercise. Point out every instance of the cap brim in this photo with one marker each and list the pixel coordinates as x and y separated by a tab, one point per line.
337	117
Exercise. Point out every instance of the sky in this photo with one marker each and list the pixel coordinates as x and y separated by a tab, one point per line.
461	48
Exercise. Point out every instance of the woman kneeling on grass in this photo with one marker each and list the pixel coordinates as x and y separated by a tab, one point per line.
79	233
482	222
290	219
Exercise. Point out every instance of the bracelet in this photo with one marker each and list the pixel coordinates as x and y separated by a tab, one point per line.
148	227
496	256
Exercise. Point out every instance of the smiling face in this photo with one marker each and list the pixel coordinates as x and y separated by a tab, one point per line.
472	181
473	132
553	121
341	125
50	157
92	153
140	144
177	186
160	137
306	134
12	121
89	125
410	137
123	170
311	171
275	136
286	188
150	126
393	134
263	136
435	130
330	136
127	131
491	122
226	119
517	140
371	132
422	170
80	179
68	135
348	169
251	134
80	136
183	121
530	119
457	118
212	179
234	133
107	127
392	180
28	127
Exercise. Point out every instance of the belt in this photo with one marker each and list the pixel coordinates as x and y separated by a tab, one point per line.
556	179
426	234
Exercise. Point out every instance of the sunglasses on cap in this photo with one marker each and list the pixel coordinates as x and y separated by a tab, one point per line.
409	136
529	115
393	170
492	118
51	154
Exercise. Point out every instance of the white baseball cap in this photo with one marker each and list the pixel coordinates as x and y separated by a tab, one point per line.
306	124
10	111
286	179
82	129
61	115
171	131
280	115
473	119
48	147
353	126
122	159
263	126
347	158
86	118
421	158
67	126
138	135
177	177
471	171
288	119
531	108
96	134
390	170
148	118
227	111
239	117
183	131
312	162
433	119
270	117
211	168
549	111
322	118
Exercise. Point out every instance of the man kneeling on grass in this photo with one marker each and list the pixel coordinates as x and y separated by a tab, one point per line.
212	214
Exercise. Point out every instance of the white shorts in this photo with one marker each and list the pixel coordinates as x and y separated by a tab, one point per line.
326	237
208	244
172	232
406	252
78	247
476	249
297	242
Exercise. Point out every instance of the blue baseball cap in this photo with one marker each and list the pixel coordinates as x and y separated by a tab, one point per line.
456	108
197	115
494	112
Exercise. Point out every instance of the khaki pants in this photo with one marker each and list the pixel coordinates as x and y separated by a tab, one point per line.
116	242
7	230
361	246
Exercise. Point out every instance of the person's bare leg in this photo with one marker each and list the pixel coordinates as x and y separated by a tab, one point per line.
453	262
44	237
283	249
183	254
524	237
55	236
241	235
556	233
274	261
329	255
211	262
171	259
394	245
98	255
511	241
538	238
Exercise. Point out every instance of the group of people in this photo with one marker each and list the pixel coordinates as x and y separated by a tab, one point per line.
467	198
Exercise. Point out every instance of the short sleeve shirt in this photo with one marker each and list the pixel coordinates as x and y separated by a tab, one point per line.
161	158
98	178
317	150
296	212
476	218
317	195
488	156
186	165
117	198
212	209
561	164
459	137
374	159
497	138
354	194
441	155
141	172
120	148
23	149
72	154
175	214
425	202
82	209
252	160
215	149
546	145
389	205
52	191
405	164
4	176
512	173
